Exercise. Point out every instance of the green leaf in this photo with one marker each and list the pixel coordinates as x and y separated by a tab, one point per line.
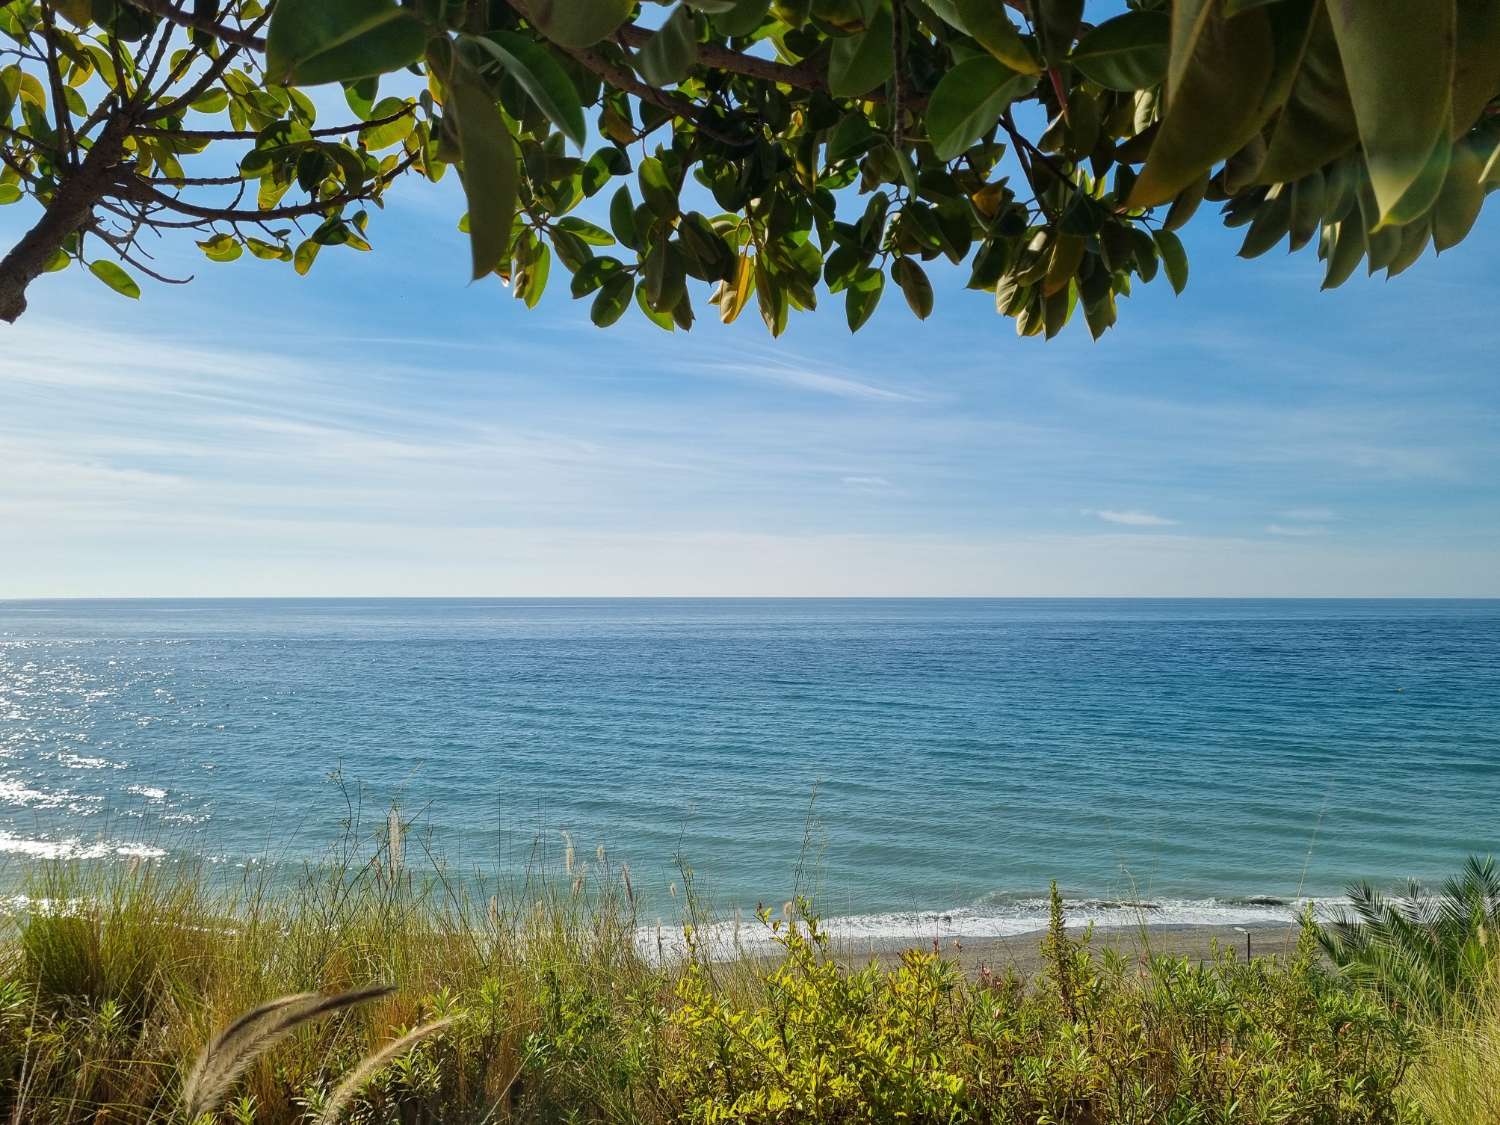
1476	63
1316	122
488	172
302	260
666	58
986	22
1173	259
541	76
657	188
660	319
1217	78
743	18
859	63
1346	248
315	41
116	278
612	300
579	23
1462	196
531	278
1398	61
622	219
969	101
377	137
915	286
10	193
586	231
1418	199
1128	52
1056	24
221	248
862	297
214	101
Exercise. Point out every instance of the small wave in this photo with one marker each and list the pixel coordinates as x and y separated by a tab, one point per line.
150	792
77	849
16	792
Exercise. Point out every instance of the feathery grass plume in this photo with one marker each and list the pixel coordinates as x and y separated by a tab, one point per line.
567	853
253	1034
371	1064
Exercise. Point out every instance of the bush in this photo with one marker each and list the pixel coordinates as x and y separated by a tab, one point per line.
1101	1042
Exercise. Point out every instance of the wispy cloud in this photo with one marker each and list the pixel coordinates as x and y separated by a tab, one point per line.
1309	515
1130	518
805	376
872	483
1297	531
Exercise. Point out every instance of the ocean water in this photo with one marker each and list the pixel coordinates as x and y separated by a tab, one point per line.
916	763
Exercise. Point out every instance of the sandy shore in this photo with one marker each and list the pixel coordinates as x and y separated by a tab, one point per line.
1022	951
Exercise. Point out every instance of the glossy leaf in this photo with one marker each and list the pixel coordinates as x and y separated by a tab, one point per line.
314	41
859	63
488	173
989	24
116	278
969	101
915	286
541	76
1217	79
1398	62
1128	52
743	18
1316	124
1173	259
670	53
1457	206
578	23
862	297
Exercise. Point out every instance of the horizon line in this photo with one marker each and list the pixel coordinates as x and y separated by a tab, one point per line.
737	597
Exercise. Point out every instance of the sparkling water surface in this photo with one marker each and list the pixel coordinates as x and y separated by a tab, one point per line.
1194	754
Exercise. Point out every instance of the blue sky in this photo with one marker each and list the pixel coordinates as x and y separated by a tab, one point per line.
381	427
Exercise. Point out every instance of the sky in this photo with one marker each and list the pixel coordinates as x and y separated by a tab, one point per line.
382	427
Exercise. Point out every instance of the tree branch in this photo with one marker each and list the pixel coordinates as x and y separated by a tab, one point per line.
141	191
209	76
254	134
173	14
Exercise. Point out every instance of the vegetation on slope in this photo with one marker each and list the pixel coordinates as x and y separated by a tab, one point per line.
549	1010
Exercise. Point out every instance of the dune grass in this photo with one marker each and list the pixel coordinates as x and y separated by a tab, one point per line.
542	1004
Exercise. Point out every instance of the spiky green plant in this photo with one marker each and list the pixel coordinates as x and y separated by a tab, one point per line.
1422	952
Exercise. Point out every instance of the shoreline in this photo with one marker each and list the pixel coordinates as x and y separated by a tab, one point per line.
1022	952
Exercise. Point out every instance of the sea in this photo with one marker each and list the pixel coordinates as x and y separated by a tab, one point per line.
917	766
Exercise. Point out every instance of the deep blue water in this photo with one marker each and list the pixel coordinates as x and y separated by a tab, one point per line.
962	752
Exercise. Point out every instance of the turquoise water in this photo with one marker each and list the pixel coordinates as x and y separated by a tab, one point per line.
1196	755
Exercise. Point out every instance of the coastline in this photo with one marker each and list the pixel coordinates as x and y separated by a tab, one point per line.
1022	952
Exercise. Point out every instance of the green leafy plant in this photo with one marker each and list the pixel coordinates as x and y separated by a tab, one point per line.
1424	951
781	151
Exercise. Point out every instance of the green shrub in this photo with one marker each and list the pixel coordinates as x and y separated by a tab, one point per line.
1101	1042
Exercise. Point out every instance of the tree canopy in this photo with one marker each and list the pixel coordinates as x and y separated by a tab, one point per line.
765	152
